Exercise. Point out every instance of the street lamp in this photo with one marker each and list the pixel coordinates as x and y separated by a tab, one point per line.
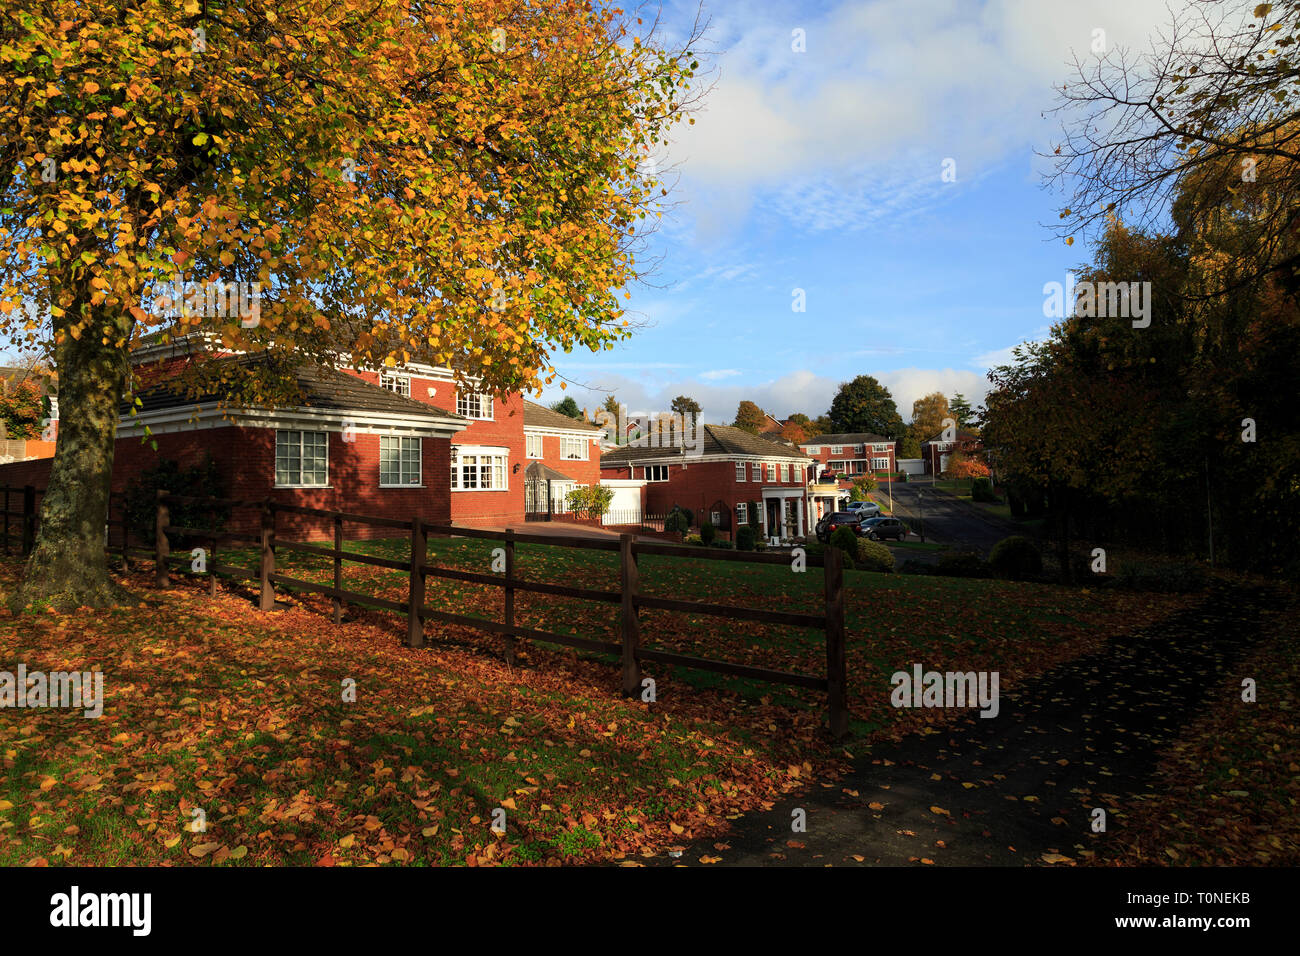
920	500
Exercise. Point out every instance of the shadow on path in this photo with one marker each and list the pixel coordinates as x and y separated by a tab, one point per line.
1007	790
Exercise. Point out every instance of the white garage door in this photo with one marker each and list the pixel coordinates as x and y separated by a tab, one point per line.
624	507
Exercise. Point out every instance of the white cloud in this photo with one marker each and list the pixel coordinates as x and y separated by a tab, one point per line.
856	127
718	373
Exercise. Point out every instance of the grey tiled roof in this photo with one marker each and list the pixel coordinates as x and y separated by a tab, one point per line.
715	440
319	387
539	416
847	438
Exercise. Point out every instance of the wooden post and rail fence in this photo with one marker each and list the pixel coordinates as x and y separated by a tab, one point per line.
629	596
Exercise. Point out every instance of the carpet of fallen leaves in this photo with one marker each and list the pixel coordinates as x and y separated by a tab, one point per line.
212	706
1229	788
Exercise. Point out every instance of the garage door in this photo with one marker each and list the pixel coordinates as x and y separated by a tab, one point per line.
624	507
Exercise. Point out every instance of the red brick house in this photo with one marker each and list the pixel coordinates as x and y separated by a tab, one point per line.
563	453
728	477
851	454
348	446
936	451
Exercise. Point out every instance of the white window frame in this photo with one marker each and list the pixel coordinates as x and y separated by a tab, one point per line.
756	474
814	450
396	382
837	449
301	441
798	473
880	464
742	513
528	446
402	458
463	399
785	473
498	465
740	471
771	471
654	470
569	441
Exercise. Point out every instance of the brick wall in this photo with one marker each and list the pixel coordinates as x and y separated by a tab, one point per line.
245	459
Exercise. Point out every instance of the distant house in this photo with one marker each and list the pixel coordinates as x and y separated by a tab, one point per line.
727	477
936	451
851	454
562	454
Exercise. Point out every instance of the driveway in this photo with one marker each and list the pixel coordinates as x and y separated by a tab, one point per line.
948	520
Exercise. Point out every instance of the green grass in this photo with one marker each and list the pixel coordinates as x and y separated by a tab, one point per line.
211	703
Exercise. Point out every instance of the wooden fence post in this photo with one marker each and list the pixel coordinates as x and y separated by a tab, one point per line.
510	598
415	594
836	669
267	568
212	568
338	569
29	518
161	520
631	627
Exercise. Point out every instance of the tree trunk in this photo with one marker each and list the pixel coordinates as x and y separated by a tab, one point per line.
1063	539
68	567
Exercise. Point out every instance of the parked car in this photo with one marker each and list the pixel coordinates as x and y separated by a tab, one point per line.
865	509
827	525
879	528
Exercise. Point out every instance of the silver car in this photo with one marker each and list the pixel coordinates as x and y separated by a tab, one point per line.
863	509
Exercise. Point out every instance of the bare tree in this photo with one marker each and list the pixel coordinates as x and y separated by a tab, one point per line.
1201	129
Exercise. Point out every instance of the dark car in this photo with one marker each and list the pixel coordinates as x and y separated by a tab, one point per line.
838	519
879	528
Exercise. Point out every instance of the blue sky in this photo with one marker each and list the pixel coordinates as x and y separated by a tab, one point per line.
822	171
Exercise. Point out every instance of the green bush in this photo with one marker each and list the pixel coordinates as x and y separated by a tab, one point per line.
912	566
962	564
677	520
846	540
745	536
1016	558
981	489
755	515
708	532
693	539
724	545
201	481
874	556
1170	575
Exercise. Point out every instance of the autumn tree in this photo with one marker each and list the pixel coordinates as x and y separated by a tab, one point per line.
864	405
457	184
929	413
750	418
794	432
687	407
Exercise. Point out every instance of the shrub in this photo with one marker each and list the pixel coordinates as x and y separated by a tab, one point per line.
677	520
981	489
874	556
1016	558
962	564
755	512
201	481
846	540
707	532
693	539
590	502
912	566
861	487
745	536
724	545
1174	576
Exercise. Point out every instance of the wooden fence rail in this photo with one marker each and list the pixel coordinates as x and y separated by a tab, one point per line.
629	596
